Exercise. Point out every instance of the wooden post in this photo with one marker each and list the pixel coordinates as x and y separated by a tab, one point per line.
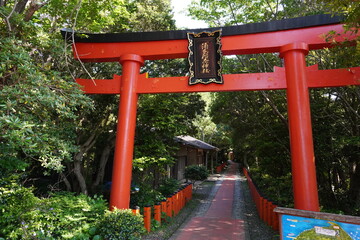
124	145
136	210
147	218
302	150
157	213
163	207
169	206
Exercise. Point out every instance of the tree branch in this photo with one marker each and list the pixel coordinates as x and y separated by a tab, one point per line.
342	97
272	11
34	6
7	18
274	108
20	7
233	13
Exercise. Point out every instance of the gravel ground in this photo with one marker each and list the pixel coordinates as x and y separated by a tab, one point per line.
256	229
243	208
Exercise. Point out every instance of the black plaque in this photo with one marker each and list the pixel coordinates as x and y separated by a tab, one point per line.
205	57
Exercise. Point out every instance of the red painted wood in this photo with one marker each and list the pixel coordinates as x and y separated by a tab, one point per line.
232	82
124	145
301	141
239	44
169	207
147	218
157	213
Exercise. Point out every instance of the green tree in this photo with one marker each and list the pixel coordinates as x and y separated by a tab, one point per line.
46	122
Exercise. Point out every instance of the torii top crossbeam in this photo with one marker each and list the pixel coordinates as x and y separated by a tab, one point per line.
243	39
292	38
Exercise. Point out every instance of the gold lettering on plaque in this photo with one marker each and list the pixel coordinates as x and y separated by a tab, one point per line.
205	57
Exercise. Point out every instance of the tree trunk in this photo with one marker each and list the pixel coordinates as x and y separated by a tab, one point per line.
78	173
32	9
20	6
85	147
102	164
66	181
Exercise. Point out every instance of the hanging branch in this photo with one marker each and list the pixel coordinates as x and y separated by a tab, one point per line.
78	7
7	18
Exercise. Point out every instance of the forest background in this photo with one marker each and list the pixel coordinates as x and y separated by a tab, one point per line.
53	138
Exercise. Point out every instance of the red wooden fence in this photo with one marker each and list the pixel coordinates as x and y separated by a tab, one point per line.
264	207
169	207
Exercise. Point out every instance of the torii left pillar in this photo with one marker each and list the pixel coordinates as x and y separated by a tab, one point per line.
125	135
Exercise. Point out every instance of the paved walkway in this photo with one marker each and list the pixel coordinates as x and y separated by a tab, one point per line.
219	221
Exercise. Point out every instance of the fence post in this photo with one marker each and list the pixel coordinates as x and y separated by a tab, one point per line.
276	220
186	193
269	213
169	206
190	190
261	208
181	198
136	210
157	213
273	216
176	203
163	208
265	209
147	218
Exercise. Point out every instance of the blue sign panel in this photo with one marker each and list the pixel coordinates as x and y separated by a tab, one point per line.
300	228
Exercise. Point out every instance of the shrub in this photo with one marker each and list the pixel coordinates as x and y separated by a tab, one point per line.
16	205
122	225
146	196
70	216
62	216
169	186
196	173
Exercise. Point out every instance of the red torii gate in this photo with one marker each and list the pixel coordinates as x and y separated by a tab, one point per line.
292	38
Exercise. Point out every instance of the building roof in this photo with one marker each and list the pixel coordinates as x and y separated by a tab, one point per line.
271	26
193	142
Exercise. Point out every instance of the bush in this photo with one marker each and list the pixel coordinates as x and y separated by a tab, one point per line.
146	196
70	216
16	205
196	173
122	225
62	216
169	186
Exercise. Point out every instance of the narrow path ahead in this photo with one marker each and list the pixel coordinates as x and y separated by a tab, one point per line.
219	221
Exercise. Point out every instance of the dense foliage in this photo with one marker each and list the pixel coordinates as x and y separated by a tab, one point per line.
62	216
121	225
196	173
48	125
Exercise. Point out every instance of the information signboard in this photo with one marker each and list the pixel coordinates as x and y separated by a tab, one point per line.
301	225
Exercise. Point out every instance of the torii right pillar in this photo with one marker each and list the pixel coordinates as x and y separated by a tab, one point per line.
301	140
